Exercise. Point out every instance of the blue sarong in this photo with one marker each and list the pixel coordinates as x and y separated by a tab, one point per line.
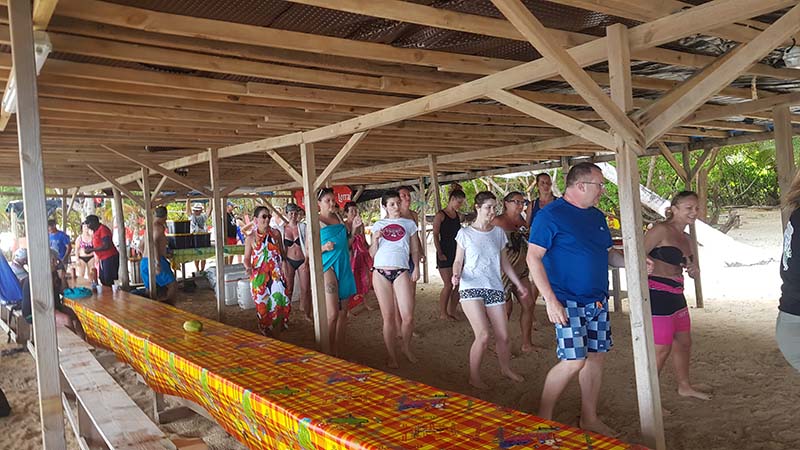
338	259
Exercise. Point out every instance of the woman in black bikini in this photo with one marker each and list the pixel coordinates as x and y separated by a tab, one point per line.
446	224
295	260
394	239
86	260
669	255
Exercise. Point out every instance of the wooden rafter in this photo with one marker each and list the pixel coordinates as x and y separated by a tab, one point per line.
710	81
340	157
519	15
286	166
160	170
555	118
136	199
667	153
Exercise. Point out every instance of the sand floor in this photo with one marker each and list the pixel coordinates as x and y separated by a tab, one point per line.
756	394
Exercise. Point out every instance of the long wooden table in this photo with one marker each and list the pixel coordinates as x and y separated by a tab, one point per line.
270	394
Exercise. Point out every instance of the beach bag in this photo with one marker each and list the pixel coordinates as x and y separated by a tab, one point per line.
10	289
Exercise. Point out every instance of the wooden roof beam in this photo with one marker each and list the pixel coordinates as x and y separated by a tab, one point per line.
555	118
159	170
701	87
286	166
694	20
340	157
136	199
42	13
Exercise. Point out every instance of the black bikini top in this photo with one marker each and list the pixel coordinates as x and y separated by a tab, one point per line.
288	242
669	254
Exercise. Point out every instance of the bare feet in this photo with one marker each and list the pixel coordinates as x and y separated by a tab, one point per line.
691	391
514	376
478	384
392	364
410	355
597	426
447	317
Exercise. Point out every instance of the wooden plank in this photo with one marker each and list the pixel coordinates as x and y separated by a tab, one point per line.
42	13
105	408
423	228
286	166
784	153
272	208
172	176
314	248
667	153
219	231
122	246
150	243
555	118
708	112
33	189
196	27
434	185
519	15
698	285
118	186
340	157
723	74
158	187
647	383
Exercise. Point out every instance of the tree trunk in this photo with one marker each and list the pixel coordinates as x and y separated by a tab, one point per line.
649	183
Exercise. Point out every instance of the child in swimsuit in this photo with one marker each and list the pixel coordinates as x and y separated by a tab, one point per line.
669	255
394	242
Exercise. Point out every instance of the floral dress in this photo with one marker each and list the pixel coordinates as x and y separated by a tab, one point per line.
267	283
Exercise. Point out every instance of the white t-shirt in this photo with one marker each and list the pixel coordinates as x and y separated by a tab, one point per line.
481	258
394	247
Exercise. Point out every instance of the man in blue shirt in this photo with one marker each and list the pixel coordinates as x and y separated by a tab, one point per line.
60	242
568	257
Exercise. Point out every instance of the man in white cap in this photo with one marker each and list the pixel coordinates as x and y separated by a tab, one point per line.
197	224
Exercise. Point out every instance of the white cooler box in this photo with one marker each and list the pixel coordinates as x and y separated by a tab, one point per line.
231	281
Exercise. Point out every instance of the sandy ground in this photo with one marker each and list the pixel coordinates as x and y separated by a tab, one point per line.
756	394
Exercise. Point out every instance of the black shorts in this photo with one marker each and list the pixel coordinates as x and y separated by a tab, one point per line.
109	270
450	258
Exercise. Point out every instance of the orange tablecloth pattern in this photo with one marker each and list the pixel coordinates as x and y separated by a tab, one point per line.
270	394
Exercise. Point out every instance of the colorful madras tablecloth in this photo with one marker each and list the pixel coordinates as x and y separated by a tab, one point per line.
270	394
183	255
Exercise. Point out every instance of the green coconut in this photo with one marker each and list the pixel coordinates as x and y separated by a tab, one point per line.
193	325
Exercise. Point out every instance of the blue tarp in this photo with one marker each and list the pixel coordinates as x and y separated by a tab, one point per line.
10	290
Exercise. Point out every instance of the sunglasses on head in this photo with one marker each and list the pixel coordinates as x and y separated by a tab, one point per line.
323	192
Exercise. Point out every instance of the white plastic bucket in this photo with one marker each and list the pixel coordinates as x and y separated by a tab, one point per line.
245	297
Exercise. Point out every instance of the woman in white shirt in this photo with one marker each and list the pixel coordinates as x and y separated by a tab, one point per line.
476	271
393	241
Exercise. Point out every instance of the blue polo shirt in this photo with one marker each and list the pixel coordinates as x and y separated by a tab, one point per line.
59	242
577	242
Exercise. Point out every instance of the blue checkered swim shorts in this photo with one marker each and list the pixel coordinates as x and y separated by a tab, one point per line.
588	331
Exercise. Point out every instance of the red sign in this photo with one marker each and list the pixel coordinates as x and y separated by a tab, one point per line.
342	194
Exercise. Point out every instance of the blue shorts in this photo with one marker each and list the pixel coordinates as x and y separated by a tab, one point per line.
588	331
164	276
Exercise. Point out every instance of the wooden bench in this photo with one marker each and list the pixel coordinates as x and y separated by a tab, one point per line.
106	416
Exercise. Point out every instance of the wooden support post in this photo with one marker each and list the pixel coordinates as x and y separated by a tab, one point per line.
698	285
647	384
437	202
313	248
64	212
150	243
784	153
423	237
122	246
33	198
359	191
219	232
